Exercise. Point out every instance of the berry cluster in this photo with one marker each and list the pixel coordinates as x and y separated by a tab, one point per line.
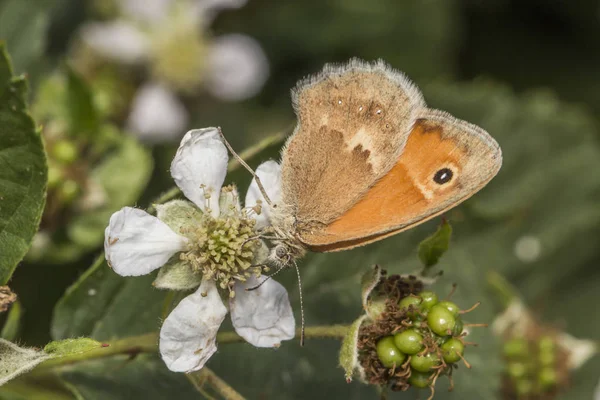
416	339
535	367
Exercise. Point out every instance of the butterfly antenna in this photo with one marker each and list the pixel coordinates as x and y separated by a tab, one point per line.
243	163
268	277
301	302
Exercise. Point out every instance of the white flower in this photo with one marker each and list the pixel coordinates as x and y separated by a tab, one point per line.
151	32
237	67
137	243
156	114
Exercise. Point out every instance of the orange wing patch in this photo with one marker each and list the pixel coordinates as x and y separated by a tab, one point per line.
407	195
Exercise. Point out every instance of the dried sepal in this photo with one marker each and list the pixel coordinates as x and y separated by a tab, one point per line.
180	215
373	303
349	351
177	275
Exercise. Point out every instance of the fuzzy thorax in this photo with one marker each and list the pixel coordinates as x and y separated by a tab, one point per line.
287	247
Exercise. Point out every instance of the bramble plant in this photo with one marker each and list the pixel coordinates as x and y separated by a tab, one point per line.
131	262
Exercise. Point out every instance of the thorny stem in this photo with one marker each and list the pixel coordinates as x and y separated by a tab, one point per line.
207	376
233	165
148	343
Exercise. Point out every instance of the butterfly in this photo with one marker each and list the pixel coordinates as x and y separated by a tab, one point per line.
368	159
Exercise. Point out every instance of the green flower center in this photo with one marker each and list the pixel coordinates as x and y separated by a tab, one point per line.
224	248
182	67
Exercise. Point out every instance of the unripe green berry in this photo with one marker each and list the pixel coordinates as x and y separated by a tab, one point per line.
546	343
409	301
69	190
440	320
388	353
547	358
458	327
430	299
54	176
450	306
409	341
419	379
452	350
524	387
547	378
424	363
516	348
516	370
64	152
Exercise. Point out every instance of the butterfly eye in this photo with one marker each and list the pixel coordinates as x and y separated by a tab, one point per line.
444	175
280	252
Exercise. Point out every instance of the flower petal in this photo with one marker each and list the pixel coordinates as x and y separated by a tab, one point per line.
150	11
263	317
118	41
156	114
237	67
136	243
270	176
188	335
199	167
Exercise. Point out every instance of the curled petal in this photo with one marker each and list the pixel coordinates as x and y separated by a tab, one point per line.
263	317
136	243
199	167
188	335
156	114
269	174
118	41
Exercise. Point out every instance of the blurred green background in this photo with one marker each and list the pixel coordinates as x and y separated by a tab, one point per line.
527	71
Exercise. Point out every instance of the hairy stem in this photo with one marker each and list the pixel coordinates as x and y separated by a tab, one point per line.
148	343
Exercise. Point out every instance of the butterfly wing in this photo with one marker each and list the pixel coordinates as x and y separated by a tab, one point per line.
353	123
445	161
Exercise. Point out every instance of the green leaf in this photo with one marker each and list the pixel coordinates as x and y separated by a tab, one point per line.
27	387
23	171
69	347
23	26
12	325
17	360
144	377
83	117
434	247
121	176
100	305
